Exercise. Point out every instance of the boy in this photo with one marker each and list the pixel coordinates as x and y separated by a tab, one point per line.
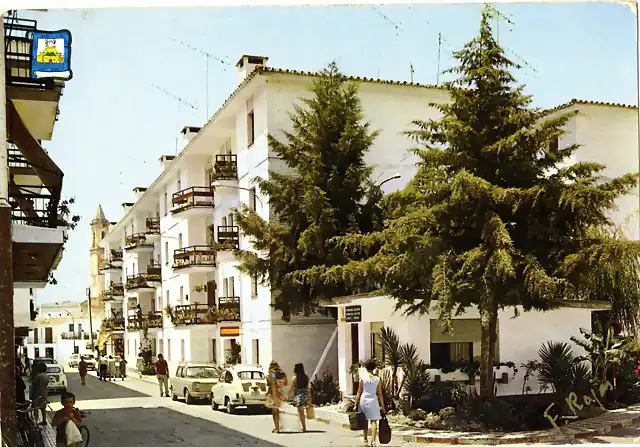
62	420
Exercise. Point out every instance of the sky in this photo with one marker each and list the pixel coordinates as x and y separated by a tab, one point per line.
140	76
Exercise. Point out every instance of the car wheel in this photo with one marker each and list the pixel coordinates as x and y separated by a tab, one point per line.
174	397
214	405
229	405
187	397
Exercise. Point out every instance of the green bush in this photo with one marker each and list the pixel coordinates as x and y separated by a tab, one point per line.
325	389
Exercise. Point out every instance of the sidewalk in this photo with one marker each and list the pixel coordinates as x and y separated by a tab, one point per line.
595	426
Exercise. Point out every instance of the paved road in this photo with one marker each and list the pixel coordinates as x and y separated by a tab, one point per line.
130	413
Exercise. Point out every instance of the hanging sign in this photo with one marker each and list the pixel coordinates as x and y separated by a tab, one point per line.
51	55
353	314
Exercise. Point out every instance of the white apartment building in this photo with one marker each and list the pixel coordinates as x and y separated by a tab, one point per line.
61	329
173	247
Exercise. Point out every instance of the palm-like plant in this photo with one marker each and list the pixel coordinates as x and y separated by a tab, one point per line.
390	343
557	360
416	381
603	351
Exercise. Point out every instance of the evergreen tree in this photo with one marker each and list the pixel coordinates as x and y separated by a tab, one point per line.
326	192
496	216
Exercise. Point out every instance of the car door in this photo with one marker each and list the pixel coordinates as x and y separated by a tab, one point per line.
177	382
221	388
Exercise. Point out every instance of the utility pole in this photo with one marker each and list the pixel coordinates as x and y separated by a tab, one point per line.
7	331
439	45
90	318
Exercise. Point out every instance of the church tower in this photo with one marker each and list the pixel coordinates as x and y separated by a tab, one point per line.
99	229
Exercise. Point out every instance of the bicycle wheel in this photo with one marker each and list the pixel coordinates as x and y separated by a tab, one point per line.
35	437
86	436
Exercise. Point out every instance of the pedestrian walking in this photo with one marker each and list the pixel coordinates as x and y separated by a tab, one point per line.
27	365
82	369
140	364
276	381
40	389
162	373
301	393
123	368
369	399
102	368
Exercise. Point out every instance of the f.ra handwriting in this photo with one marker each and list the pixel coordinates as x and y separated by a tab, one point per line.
574	404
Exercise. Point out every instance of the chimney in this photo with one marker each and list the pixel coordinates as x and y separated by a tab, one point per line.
126	206
247	64
188	134
165	161
138	191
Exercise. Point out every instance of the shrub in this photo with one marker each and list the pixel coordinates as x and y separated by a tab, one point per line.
325	389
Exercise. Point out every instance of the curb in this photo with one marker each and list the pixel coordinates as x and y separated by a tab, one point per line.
576	430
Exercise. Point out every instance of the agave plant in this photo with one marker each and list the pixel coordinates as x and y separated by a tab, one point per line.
556	361
416	381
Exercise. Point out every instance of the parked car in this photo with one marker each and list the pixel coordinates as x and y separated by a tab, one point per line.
89	359
57	378
240	386
193	381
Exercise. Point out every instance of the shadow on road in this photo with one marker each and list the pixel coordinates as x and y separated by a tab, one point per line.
98	389
162	426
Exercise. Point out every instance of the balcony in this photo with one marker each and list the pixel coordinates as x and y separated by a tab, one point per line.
114	290
194	201
69	335
189	314
112	325
194	259
225	167
36	98
152	320
228	237
153	229
229	308
137	243
116	256
107	265
143	282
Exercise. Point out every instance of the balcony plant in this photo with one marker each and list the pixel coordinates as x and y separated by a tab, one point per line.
199	288
225	246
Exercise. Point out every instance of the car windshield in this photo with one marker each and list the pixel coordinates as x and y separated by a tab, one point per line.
250	375
53	370
87	356
46	361
202	372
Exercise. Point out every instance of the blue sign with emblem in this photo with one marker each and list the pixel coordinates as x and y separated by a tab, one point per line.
51	55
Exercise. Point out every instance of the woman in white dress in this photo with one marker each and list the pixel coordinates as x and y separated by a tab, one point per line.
370	400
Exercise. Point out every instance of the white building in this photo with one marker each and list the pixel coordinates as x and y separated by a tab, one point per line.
607	133
177	238
60	330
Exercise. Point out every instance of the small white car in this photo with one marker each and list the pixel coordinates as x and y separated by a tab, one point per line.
89	359
56	374
193	381
240	386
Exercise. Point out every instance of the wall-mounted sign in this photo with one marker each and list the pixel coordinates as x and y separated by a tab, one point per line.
230	331
353	314
51	55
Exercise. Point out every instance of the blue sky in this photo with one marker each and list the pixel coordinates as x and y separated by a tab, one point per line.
115	122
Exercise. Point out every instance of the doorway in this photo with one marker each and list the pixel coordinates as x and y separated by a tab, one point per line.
48	352
355	352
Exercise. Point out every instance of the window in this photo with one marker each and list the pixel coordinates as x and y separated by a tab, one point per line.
30	292
48	335
166	253
181	294
36	334
79	327
168	301
376	342
48	352
160	346
252	199
214	351
251	375
231	223
168	349
76	349
36	352
102	235
71	328
179	371
232	286
180	240
254	285
256	351
251	128
224	221
166	203
463	344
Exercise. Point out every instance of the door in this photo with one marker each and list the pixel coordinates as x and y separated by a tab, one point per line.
211	294
48	335
177	382
48	352
355	350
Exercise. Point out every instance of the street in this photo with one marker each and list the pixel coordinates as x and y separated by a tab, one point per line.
130	413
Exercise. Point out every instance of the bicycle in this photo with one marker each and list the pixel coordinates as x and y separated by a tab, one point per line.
84	430
29	431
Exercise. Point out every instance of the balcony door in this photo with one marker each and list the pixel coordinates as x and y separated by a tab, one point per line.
48	335
211	293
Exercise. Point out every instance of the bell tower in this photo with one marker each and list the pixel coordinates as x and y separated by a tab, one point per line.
99	229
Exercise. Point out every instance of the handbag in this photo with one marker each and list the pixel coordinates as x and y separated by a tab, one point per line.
311	412
357	421
384	431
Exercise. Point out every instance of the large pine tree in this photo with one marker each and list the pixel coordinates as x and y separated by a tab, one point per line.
326	192
496	216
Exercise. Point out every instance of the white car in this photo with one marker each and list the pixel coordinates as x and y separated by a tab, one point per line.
89	359
193	380
240	386
56	374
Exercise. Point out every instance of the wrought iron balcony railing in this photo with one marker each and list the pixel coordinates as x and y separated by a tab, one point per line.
191	314
153	225
18	53
112	324
137	240
194	256
228	237
226	167
194	197
142	281
116	255
150	320
107	264
70	335
229	308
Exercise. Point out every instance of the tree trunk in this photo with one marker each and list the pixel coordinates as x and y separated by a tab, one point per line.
489	320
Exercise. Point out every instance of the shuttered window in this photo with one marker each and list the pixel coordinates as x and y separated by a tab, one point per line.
465	331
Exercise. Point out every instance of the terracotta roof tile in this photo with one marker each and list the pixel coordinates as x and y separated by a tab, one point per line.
591	103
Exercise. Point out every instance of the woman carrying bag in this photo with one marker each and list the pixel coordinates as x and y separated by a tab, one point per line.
302	395
370	400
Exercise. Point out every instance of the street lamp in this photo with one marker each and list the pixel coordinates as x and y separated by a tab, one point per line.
395	177
90	317
215	184
74	330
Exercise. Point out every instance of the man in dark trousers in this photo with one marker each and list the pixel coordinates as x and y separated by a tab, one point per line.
162	373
